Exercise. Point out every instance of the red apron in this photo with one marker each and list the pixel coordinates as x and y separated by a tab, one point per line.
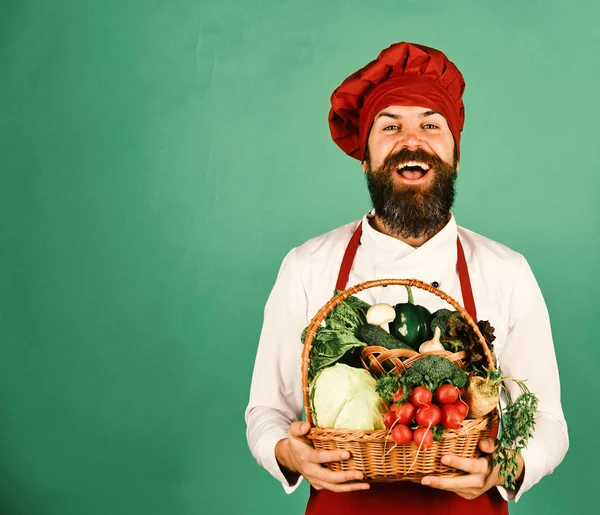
405	497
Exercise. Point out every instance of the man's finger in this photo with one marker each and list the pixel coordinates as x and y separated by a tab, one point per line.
299	429
455	484
342	481
344	487
324	475
471	465
322	456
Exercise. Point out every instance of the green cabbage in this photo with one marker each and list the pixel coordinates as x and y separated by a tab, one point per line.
344	397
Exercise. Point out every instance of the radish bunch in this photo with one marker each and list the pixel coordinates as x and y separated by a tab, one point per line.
415	419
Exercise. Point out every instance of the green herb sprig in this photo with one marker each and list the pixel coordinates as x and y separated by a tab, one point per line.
517	423
387	385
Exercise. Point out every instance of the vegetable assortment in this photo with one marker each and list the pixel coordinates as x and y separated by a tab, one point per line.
433	396
425	400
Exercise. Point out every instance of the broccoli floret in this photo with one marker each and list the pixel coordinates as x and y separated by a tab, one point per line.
432	371
447	321
440	319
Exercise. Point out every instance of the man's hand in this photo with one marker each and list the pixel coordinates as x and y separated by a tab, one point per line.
481	475
297	454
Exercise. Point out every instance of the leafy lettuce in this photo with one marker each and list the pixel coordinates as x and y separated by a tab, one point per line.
336	341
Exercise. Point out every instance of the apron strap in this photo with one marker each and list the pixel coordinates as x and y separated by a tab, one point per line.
461	265
348	259
465	281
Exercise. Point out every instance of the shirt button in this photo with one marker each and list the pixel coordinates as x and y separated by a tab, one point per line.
435	284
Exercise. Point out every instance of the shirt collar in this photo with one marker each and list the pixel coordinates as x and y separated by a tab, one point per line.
384	247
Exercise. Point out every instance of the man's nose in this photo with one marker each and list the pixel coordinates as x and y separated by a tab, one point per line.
410	139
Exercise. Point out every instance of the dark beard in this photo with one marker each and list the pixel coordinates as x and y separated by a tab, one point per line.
412	211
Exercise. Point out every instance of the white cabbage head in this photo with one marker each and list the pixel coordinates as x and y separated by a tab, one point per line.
344	397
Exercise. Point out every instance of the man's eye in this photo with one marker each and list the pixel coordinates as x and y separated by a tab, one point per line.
430	126
390	127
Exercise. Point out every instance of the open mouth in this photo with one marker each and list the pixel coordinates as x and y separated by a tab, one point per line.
413	170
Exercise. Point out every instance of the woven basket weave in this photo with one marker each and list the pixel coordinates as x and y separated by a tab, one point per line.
374	452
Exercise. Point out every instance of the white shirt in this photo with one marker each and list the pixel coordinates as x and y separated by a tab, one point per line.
506	294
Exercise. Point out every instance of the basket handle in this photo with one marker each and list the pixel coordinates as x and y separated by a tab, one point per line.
343	295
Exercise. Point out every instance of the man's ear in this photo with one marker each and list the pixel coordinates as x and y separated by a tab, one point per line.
364	166
457	166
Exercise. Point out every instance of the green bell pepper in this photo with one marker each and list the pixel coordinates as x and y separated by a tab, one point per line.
412	323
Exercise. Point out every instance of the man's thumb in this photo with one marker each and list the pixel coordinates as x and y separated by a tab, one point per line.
488	445
299	428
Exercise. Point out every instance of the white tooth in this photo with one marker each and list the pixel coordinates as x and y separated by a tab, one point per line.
414	163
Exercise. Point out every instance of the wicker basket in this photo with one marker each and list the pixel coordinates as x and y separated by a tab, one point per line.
374	452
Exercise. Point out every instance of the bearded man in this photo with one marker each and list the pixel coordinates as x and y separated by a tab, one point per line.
401	115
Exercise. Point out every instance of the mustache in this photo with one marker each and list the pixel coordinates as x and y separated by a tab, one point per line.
392	161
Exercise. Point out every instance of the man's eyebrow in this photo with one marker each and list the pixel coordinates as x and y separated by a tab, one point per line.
389	115
399	117
428	113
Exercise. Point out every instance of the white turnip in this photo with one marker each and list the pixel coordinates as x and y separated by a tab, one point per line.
481	395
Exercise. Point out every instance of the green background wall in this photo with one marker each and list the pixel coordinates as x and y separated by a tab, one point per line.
159	158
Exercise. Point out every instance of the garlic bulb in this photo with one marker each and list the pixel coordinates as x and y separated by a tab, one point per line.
433	344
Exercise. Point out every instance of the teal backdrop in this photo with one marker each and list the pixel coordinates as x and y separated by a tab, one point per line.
159	158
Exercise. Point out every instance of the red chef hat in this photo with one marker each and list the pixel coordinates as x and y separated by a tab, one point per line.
403	74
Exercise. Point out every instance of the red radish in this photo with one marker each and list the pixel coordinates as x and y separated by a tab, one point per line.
451	417
447	394
494	431
462	406
398	395
421	395
405	413
423	437
428	415
402	434
389	419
